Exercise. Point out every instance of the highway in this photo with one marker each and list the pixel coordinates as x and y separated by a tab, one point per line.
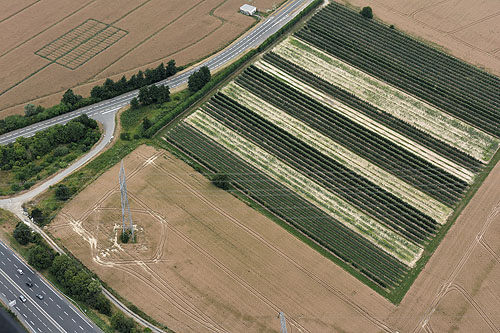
53	313
251	40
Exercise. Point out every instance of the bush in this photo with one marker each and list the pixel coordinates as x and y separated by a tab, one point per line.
62	193
125	136
122	324
38	216
103	305
221	181
22	233
367	12
125	236
61	151
198	79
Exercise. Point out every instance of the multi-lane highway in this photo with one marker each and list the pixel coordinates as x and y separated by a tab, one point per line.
49	312
53	313
252	39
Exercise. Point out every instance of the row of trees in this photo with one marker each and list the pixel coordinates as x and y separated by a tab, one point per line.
71	101
76	281
151	95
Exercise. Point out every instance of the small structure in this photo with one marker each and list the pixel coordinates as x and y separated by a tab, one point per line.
248	10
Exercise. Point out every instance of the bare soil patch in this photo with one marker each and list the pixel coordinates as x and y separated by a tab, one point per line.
157	32
468	29
217	264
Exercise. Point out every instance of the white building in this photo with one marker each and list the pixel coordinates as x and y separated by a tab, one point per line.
248	10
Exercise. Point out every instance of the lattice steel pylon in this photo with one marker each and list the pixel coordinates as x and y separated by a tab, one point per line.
125	206
283	322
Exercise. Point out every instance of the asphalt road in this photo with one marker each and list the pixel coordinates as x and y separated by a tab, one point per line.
53	313
254	38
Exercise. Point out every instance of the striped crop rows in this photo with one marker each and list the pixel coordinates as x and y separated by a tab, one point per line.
371	146
376	114
350	247
460	89
362	139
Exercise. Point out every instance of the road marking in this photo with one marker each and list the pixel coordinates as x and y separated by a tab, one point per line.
58	305
25	316
3	263
2	253
3	245
45	303
65	313
8	259
32	323
36	285
18	308
16	276
80	327
4	295
29	278
73	320
51	299
43	291
38	328
15	266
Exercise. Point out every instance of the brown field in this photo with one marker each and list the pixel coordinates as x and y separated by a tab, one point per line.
157	31
468	29
205	261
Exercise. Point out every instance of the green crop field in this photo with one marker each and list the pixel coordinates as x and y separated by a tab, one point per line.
365	147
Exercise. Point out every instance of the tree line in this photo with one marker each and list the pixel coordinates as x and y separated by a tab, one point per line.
71	101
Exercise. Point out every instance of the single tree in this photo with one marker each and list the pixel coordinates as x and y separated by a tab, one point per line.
29	110
69	98
198	79
37	216
22	233
122	324
40	257
367	12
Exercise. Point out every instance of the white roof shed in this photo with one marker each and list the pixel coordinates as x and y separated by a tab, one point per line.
248	10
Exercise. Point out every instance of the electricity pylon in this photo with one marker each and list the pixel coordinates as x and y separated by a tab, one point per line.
125	206
283	322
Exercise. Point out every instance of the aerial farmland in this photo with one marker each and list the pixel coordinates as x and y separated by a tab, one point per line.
361	196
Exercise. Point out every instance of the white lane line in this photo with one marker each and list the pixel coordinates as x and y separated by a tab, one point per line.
61	317
51	299
8	259
73	320
15	266
45	303
38	328
3	263
43	291
3	245
80	327
16	276
36	285
18	308
25	316
2	253
32	323
65	313
4	295
58	305
29	278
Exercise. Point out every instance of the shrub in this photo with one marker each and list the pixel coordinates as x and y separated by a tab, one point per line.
61	151
40	256
125	136
62	193
221	181
122	324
